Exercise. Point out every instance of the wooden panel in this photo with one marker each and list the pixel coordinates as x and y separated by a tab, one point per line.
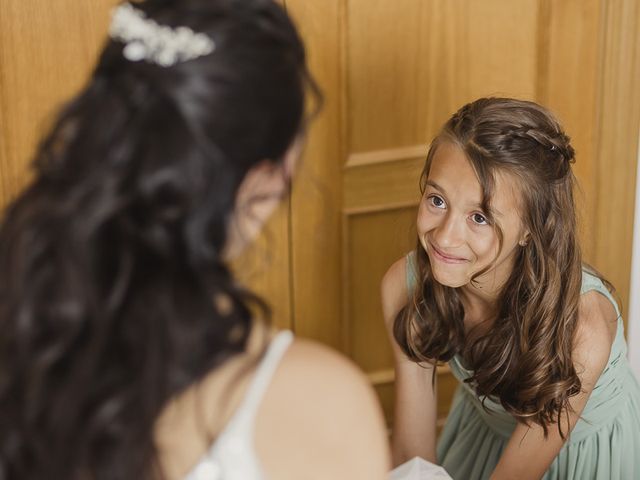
619	123
316	200
381	185
373	242
567	79
46	51
385	394
413	63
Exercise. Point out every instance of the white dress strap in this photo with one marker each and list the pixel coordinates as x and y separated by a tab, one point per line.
263	376
233	456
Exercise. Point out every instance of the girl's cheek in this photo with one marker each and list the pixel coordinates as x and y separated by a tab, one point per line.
422	220
484	245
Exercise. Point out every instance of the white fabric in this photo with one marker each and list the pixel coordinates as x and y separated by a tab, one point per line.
233	456
419	469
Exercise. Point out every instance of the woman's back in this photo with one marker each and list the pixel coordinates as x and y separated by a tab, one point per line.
272	424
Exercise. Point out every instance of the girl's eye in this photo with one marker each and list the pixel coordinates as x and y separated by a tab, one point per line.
479	219
436	201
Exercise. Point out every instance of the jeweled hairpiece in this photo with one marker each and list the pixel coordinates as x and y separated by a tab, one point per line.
159	44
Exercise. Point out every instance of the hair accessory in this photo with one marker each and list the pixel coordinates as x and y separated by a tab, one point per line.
159	44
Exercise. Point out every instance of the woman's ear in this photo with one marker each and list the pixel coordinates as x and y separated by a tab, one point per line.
524	240
259	194
292	156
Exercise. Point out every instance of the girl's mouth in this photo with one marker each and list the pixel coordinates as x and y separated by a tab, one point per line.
443	257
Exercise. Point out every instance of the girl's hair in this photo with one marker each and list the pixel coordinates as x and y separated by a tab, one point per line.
110	259
524	360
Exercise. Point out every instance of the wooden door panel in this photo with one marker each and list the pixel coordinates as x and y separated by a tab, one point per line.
46	51
373	241
411	63
317	197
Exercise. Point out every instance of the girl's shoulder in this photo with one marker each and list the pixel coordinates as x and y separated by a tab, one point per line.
597	325
592	282
394	288
596	330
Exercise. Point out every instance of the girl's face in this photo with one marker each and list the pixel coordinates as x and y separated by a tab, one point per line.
455	232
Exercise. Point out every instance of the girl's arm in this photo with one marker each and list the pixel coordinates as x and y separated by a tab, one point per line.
528	454
414	420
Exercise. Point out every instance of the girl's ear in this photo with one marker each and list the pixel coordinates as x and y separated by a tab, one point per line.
524	240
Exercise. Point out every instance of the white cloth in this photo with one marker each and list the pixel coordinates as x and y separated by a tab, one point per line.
419	469
232	456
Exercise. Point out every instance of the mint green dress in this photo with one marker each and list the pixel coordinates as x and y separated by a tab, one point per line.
604	444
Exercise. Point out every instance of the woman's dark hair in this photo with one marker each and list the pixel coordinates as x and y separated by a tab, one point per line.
110	259
525	359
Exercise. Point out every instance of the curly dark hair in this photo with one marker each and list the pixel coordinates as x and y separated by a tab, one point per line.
525	359
110	258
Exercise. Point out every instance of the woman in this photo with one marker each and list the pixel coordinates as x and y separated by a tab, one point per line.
128	351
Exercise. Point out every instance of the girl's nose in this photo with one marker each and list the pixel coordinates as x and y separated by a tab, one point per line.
450	232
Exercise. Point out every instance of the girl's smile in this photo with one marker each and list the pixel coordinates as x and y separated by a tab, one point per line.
440	255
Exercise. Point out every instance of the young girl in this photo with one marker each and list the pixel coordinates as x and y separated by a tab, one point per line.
497	288
127	349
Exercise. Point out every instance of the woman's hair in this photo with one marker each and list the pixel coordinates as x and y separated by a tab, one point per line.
525	359
110	259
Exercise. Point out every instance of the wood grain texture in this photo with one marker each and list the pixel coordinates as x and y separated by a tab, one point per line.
316	197
376	185
412	63
568	82
373	242
46	51
617	145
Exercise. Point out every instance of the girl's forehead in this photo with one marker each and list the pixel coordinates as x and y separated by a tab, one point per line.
453	174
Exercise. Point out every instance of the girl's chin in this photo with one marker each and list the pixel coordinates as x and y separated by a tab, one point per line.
452	281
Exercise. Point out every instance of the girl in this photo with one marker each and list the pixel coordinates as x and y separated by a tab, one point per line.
497	288
127	350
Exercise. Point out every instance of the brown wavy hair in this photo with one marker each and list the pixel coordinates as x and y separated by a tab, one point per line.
524	360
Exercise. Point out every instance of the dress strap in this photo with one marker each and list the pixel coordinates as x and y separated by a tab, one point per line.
262	378
411	272
593	282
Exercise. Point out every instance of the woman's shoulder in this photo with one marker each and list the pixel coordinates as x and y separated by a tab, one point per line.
309	361
320	418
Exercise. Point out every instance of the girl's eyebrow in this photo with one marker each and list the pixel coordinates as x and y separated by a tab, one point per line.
435	185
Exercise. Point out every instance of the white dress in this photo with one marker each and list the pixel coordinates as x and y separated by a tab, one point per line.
232	456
